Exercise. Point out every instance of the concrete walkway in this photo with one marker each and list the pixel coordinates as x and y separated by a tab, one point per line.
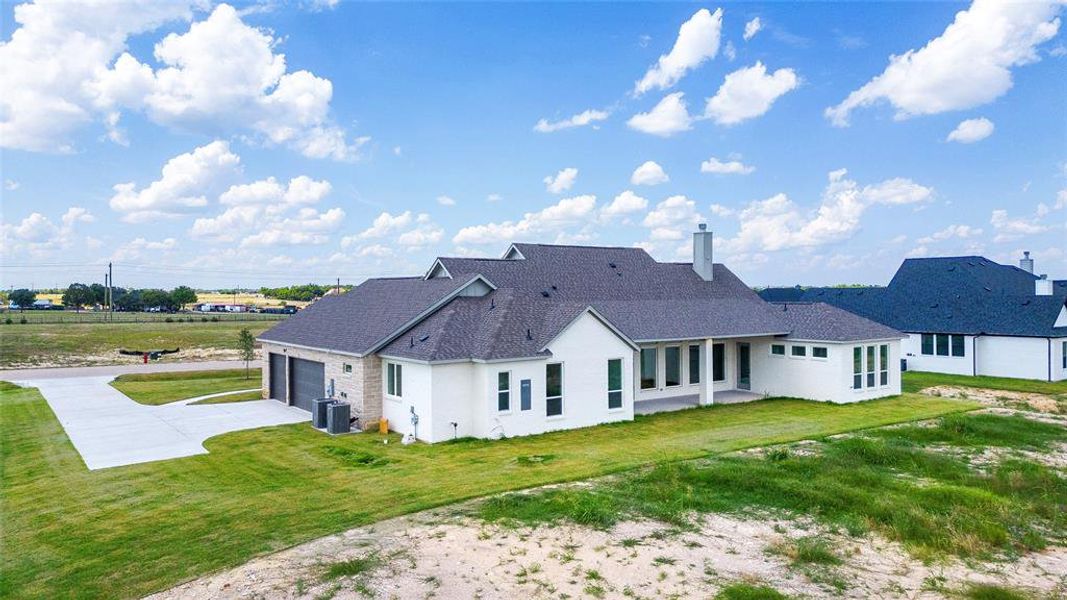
673	403
110	430
152	367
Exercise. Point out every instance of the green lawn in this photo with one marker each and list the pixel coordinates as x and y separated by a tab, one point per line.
128	531
67	342
161	388
238	397
915	381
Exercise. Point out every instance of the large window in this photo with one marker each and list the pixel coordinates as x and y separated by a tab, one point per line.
857	368
672	355
615	383
718	362
870	366
928	344
648	368
503	391
958	348
883	364
798	351
554	389
942	344
778	349
694	364
525	394
1064	355
394	379
819	352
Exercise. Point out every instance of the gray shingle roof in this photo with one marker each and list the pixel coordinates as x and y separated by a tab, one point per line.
542	293
822	322
963	294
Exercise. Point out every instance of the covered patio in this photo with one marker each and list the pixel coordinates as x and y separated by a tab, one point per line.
673	403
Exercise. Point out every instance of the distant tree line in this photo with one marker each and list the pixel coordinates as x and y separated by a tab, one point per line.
80	295
303	293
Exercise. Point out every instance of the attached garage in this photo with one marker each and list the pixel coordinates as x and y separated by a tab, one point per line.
277	377
307	381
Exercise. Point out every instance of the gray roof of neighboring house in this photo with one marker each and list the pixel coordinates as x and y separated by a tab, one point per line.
822	322
962	294
541	294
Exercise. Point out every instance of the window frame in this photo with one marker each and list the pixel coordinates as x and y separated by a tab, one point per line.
718	362
870	357
937	349
666	366
394	380
825	351
926	344
776	347
1063	356
655	368
560	414
503	393
346	367
619	390
952	346
796	351
857	368
883	365
693	377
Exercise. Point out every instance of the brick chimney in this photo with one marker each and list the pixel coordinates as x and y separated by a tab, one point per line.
702	253
1026	263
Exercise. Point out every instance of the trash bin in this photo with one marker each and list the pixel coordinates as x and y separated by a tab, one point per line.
318	411
337	418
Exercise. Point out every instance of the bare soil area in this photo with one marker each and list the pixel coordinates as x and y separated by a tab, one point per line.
1026	401
114	358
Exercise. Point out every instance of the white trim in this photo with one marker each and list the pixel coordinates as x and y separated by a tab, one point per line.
706	337
589	309
498	391
562	392
515	249
437	263
457	361
844	342
317	349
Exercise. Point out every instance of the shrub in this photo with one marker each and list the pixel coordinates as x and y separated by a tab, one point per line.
214	319
23	320
203	319
8	321
169	320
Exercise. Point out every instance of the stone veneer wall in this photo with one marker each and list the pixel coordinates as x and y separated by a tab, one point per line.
362	387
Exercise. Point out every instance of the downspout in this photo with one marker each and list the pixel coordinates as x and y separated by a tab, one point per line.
1049	340
974	354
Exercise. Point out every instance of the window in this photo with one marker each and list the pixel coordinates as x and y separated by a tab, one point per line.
615	383
694	364
778	349
525	396
718	362
857	368
957	345
347	368
1064	355
648	368
942	344
554	389
928	344
819	352
503	391
870	366
798	351
672	355
394	380
883	364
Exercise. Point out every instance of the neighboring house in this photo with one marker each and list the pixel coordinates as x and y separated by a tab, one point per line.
965	315
556	337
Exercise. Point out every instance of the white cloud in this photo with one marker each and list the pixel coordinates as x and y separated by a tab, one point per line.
624	204
966	66
300	190
425	234
11	185
667	118
721	211
649	173
1061	199
1008	229
586	117
35	228
386	223
136	248
971	130
185	182
562	181
749	92
494	198
698	40
752	28
729	51
446	200
406	229
76	214
65	63
950	232
308	226
778	224
730	167
568	212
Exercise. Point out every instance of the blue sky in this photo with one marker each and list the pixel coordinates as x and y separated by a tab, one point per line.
263	144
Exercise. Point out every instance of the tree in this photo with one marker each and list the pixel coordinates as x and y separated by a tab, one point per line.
77	295
183	295
99	293
158	299
22	298
128	300
247	345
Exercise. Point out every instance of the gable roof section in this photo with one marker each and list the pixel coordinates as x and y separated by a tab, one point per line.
358	321
818	321
965	294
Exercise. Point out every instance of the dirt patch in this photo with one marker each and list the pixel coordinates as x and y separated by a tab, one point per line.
114	358
1041	403
446	555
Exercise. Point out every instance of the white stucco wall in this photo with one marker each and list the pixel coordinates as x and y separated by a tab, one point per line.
828	379
1021	357
956	365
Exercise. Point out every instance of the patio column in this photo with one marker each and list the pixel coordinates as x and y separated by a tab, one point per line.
707	387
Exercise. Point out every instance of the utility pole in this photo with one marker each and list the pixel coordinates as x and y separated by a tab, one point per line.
106	302
338	289
110	294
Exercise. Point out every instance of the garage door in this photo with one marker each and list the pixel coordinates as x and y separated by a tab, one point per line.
277	376
307	381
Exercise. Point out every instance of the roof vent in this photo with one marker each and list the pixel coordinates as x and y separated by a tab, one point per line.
424	338
529	336
785	307
554	288
1026	302
934	305
492	303
952	268
612	265
987	288
1026	263
412	344
545	293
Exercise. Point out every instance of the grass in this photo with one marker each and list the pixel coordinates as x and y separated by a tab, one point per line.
228	398
94	317
161	388
985	591
933	503
916	381
352	568
68	344
747	591
129	531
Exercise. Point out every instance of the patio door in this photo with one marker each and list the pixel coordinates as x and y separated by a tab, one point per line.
744	366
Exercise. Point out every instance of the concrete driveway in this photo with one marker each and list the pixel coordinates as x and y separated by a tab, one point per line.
110	430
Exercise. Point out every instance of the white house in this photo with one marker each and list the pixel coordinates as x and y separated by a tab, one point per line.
965	315
557	337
